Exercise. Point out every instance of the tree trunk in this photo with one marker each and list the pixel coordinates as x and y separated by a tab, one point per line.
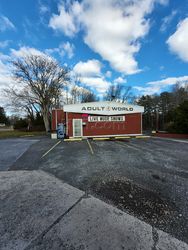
45	114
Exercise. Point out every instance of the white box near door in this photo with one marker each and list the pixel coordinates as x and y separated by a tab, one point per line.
77	128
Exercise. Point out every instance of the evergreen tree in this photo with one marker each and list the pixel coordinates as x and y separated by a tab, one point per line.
3	117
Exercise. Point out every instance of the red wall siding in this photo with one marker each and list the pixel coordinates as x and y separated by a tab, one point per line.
60	117
131	125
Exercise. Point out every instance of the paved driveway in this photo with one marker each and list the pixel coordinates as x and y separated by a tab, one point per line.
12	149
144	177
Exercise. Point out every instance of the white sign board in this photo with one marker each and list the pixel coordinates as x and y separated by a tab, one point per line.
103	108
106	118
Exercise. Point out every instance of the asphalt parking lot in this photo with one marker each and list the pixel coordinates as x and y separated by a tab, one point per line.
11	150
144	177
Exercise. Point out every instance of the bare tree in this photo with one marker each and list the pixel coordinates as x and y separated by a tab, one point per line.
20	101
179	93
118	92
89	96
81	94
41	80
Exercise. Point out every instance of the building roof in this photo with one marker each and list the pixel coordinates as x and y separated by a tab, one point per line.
103	108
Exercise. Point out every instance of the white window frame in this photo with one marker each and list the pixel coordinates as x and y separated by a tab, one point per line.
74	126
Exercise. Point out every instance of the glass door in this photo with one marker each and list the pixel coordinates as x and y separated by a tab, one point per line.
77	127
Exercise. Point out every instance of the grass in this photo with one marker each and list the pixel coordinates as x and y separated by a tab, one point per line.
16	133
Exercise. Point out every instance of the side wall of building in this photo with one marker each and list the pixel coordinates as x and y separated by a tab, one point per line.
58	116
131	125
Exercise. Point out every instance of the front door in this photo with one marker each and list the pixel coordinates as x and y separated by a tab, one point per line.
77	127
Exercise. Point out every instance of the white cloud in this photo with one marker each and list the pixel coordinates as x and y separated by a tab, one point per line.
52	51
65	21
163	2
112	28
120	80
167	20
178	41
108	74
25	51
4	74
43	9
68	48
5	77
4	57
44	12
64	48
96	83
157	86
170	81
4	44
6	24
89	68
89	74
148	90
161	68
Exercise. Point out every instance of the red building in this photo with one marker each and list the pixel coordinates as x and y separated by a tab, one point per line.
95	119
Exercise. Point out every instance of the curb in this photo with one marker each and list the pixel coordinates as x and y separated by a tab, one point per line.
109	138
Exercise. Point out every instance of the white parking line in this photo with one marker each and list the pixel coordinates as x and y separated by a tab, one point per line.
51	149
90	147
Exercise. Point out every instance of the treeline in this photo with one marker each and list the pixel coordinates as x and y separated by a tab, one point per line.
26	123
167	111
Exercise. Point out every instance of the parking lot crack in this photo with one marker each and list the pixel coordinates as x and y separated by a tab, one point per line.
155	238
39	238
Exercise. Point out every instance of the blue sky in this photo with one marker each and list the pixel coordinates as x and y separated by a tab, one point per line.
138	43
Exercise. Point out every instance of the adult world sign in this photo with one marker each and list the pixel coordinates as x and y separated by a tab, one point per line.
103	108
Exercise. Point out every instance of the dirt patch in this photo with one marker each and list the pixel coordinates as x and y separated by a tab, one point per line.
136	200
